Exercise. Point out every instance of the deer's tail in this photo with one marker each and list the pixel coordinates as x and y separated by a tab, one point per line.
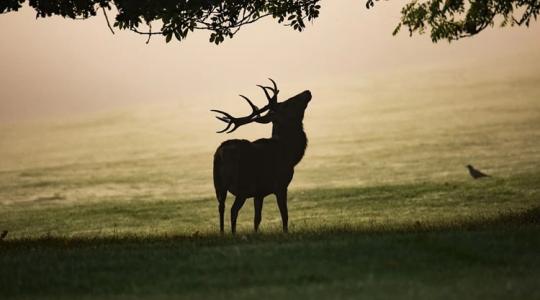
219	184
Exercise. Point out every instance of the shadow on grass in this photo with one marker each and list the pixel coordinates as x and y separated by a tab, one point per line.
509	220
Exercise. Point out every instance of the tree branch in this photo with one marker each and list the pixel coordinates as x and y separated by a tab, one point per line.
107	19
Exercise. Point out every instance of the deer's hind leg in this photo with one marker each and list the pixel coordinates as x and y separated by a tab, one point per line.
221	208
258	212
221	195
238	203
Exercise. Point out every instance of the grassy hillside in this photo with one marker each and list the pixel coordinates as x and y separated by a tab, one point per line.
377	207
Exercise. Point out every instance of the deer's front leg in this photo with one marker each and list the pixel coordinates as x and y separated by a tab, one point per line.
258	212
282	204
238	203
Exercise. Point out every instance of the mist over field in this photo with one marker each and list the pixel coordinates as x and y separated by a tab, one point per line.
405	127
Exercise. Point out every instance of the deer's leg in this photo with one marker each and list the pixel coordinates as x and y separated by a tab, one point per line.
221	207
221	196
238	203
258	212
282	204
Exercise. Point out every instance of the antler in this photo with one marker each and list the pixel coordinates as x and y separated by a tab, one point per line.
255	114
237	122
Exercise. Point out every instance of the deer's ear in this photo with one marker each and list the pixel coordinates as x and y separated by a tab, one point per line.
265	119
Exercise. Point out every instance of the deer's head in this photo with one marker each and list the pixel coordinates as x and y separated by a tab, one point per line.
283	115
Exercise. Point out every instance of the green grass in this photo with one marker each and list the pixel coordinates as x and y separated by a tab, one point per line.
461	240
499	261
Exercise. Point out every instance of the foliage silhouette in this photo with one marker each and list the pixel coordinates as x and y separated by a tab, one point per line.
455	19
178	17
445	20
265	166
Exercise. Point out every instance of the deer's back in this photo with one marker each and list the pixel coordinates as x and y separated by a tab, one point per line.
251	168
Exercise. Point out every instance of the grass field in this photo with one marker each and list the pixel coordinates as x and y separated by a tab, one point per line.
121	205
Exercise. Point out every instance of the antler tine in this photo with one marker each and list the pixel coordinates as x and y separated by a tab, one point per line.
253	106
224	119
233	128
224	113
264	89
225	129
275	85
271	99
227	118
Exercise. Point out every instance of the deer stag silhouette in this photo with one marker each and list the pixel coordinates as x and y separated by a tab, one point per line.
265	166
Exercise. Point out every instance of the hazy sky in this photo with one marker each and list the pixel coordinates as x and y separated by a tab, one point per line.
54	66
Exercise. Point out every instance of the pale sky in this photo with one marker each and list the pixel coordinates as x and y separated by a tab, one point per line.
58	66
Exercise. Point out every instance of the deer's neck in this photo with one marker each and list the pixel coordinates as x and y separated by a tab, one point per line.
293	141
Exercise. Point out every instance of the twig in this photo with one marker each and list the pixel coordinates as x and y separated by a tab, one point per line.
149	30
107	18
145	33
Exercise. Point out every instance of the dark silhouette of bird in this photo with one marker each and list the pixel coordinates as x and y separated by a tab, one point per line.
3	234
476	173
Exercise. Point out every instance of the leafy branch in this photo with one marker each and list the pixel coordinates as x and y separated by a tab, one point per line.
455	19
177	18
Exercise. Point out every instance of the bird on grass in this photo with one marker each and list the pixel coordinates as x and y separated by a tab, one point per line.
3	234
476	173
